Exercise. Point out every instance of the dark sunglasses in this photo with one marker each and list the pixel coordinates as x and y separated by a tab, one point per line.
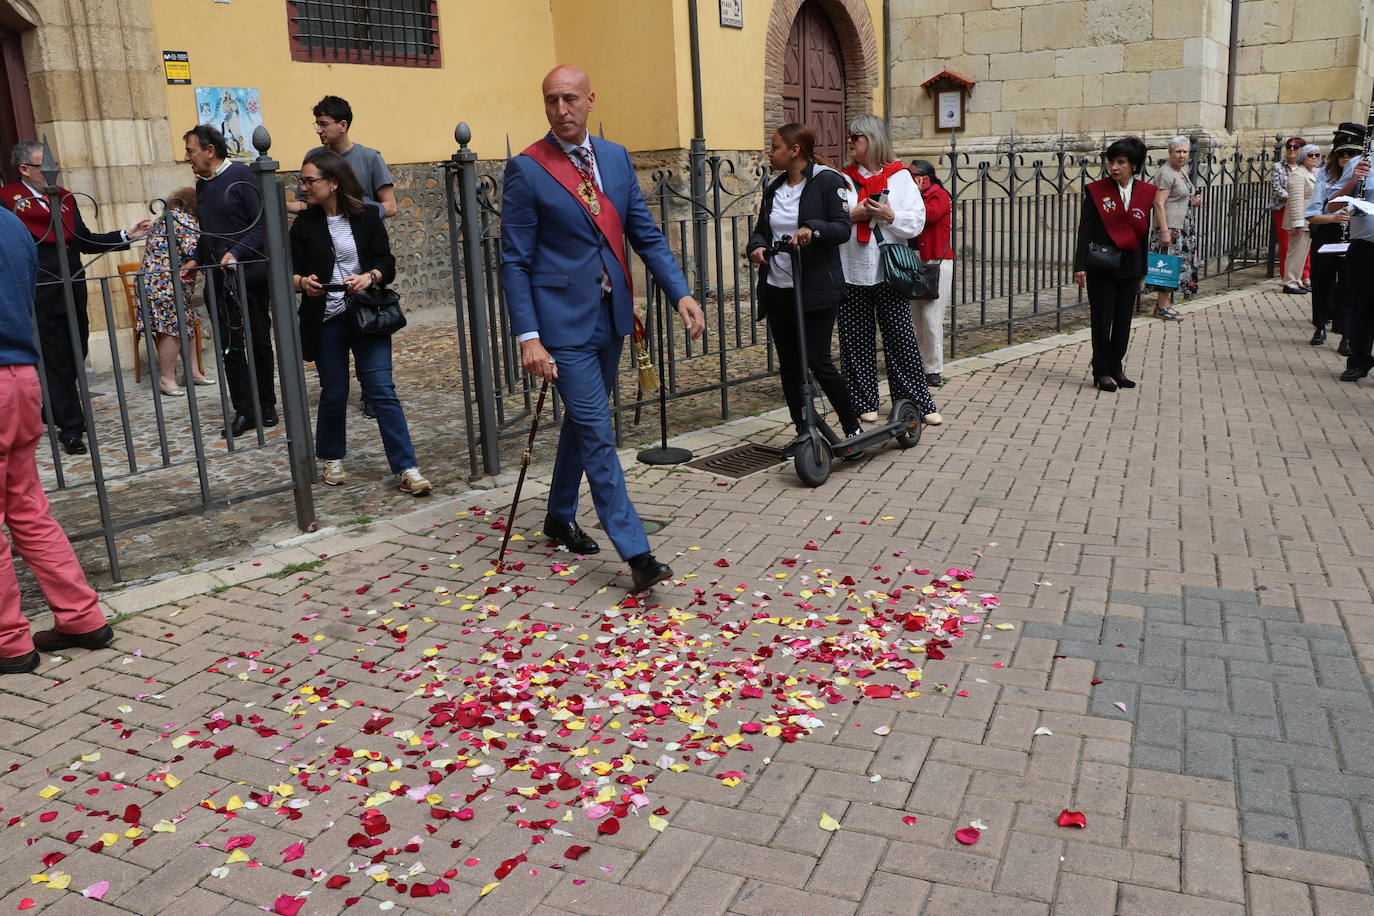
1295	146
854	138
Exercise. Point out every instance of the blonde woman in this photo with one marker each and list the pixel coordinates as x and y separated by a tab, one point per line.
1300	185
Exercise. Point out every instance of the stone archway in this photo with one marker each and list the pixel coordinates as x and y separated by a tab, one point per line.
858	42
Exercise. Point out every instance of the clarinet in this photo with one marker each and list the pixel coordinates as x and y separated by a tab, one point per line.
1355	212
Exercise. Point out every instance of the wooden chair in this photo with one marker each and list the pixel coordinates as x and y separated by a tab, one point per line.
128	277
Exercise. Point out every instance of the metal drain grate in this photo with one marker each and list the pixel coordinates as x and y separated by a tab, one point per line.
739	462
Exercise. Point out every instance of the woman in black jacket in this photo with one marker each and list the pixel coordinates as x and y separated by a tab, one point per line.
806	202
1110	256
340	241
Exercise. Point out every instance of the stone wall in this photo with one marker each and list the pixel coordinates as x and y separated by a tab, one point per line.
1089	68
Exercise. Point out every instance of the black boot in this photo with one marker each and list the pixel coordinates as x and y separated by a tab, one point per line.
647	571
1344	348
570	535
1319	337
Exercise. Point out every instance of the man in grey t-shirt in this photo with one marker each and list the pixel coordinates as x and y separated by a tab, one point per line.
333	118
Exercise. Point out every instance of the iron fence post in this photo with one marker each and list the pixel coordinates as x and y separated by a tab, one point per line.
475	281
290	364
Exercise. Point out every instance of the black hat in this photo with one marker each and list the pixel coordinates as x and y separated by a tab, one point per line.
1350	131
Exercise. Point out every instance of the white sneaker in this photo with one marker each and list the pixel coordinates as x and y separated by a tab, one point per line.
414	483
334	473
933	419
869	416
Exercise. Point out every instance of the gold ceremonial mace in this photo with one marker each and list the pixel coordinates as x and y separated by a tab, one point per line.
520	481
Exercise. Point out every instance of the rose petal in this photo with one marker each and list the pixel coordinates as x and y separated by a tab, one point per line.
97	890
286	905
968	836
575	852
909	820
1069	818
293	852
610	826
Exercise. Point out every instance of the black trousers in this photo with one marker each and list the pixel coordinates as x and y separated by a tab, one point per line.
1330	281
1111	302
777	306
235	339
61	362
1360	330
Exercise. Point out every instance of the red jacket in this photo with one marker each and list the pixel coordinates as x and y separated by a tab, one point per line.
933	242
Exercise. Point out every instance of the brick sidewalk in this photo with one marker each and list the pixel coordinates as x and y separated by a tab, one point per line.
1196	551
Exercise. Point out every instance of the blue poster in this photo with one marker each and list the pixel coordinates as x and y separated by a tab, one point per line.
234	113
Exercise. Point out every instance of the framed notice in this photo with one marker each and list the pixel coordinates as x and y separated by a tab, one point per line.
732	14
177	66
949	109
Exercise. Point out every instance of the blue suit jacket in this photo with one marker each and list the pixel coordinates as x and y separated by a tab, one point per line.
552	252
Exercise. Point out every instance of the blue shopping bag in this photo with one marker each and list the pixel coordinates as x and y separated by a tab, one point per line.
1163	270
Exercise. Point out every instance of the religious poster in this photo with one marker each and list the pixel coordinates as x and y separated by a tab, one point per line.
234	112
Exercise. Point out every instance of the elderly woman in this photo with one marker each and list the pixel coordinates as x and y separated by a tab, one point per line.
1110	256
1283	169
1301	183
1174	233
1330	276
885	206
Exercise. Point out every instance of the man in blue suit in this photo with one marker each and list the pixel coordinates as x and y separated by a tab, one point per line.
568	204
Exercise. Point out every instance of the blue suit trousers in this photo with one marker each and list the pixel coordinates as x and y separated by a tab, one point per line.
586	375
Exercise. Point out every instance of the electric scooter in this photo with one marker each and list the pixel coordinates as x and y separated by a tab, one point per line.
813	456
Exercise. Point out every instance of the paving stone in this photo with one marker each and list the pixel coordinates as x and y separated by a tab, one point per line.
893	895
1081	895
1332	902
758	898
1328	825
1149	901
704	893
847	866
1277	897
1308	867
1207	753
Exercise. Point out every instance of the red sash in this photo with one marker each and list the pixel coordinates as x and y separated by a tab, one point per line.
560	167
34	213
869	186
1126	225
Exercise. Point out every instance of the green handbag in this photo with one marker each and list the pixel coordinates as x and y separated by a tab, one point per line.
902	267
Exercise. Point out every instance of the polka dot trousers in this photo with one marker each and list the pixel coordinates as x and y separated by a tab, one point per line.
862	308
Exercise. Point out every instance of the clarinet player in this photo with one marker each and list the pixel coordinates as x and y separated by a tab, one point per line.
1360	334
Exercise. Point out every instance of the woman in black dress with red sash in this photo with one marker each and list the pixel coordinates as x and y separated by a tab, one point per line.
1110	256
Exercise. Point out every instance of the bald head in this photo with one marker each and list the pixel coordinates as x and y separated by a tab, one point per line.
568	102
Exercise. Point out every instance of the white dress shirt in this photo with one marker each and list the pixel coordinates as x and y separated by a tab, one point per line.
860	260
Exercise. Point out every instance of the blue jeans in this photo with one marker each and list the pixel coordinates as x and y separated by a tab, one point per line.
372	358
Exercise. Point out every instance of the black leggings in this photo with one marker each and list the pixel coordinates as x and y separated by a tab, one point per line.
778	308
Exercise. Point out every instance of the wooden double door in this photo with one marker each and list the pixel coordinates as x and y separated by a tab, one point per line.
813	81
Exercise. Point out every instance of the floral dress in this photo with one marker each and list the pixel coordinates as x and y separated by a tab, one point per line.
1185	235
157	274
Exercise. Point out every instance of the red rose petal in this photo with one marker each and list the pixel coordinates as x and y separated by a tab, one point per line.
610	826
1069	818
909	820
336	882
968	836
575	852
27	902
286	905
48	817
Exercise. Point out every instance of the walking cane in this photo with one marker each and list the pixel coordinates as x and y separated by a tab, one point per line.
520	481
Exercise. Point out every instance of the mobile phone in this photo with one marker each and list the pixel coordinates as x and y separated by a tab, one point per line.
333	287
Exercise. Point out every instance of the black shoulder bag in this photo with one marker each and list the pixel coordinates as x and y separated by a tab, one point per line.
372	312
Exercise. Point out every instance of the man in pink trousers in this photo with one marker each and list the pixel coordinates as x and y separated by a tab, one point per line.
24	509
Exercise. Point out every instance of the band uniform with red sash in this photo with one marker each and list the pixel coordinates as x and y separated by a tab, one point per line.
33	212
1127	225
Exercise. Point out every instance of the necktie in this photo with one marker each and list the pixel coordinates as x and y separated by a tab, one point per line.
583	158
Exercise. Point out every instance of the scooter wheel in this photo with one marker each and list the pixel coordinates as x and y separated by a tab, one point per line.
812	462
912	434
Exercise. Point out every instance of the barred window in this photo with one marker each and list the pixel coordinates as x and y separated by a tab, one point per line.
397	33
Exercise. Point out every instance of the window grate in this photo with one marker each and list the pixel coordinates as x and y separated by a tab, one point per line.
397	33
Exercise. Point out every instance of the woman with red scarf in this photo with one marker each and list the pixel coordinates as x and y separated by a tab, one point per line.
1110	256
885	206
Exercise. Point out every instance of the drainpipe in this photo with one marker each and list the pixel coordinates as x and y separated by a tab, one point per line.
696	157
1231	63
887	64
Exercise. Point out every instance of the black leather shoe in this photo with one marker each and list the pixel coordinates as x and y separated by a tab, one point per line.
935	380
269	417
570	535
647	571
1104	383
56	640
1353	375
72	444
19	664
366	406
1344	348
238	426
1122	381
1318	338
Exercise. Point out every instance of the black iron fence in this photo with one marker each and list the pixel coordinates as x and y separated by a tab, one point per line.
1014	222
135	442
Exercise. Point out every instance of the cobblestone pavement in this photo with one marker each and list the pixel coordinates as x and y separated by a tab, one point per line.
1179	648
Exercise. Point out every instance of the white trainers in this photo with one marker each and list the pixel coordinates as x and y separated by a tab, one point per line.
933	419
334	473
869	416
414	483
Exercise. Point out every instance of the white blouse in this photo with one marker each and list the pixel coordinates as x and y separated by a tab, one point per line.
860	259
782	219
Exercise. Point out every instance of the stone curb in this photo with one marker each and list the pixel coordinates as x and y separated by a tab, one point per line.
334	540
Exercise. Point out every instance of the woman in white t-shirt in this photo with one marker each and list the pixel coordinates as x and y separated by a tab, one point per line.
885	206
807	203
340	246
